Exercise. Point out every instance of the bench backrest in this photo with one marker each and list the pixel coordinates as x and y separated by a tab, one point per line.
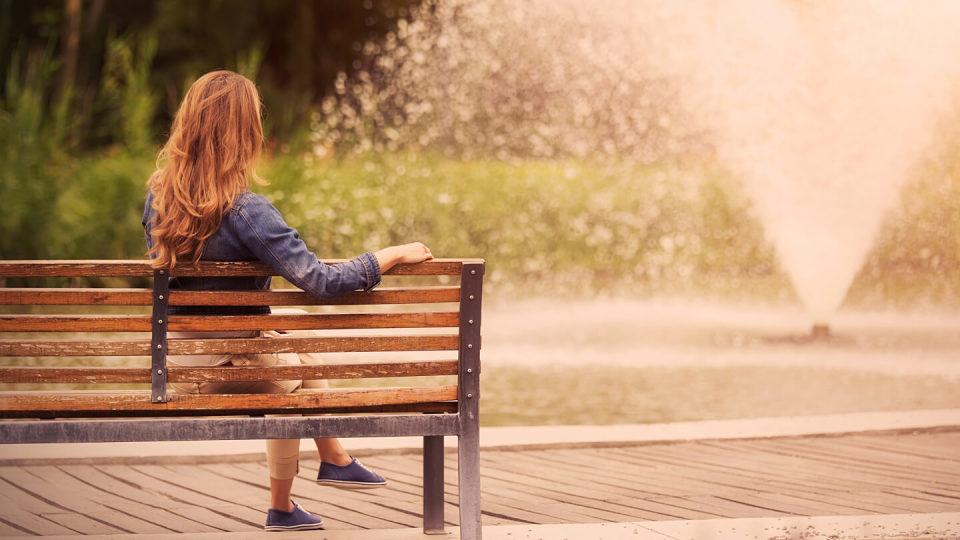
426	323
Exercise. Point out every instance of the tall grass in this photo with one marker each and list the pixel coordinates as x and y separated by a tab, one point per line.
56	201
33	127
567	227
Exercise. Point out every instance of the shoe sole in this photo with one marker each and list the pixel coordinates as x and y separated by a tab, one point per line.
305	527
345	484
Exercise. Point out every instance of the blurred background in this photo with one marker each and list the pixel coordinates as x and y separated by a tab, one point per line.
668	200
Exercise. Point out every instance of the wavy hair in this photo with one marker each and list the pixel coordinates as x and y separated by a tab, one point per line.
208	161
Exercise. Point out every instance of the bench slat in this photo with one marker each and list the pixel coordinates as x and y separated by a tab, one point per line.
88	375
199	323
142	268
276	297
74	402
232	346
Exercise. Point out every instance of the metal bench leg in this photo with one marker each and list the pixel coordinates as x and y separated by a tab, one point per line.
469	471
468	397
433	485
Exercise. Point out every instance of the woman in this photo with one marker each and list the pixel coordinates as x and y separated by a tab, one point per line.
199	208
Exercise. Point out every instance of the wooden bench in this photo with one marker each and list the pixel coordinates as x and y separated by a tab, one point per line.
152	414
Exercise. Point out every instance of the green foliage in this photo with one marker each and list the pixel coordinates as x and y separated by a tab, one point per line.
32	150
295	47
99	208
55	202
543	225
129	92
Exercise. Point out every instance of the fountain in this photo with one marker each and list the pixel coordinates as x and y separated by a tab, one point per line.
820	108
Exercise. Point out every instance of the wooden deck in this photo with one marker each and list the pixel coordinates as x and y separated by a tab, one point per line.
884	473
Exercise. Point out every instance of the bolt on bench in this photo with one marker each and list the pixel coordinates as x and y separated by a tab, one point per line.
111	415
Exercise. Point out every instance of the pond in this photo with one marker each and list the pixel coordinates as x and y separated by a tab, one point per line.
621	361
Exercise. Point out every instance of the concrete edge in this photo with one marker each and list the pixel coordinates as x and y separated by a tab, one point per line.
915	526
502	438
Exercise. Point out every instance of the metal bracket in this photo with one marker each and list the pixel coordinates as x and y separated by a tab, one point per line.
471	289
158	341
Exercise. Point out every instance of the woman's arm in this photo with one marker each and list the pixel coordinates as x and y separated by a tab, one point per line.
264	232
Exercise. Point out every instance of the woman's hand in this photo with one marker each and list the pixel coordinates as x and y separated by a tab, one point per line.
412	253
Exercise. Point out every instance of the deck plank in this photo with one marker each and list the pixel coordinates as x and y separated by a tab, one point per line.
405	474
529	492
771	476
785	470
864	472
898	447
720	482
33	521
512	504
171	517
654	479
891	473
503	505
875	473
635	505
659	474
80	523
943	470
9	531
219	513
504	466
92	517
153	521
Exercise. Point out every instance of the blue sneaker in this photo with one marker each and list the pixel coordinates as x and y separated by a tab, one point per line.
296	520
354	475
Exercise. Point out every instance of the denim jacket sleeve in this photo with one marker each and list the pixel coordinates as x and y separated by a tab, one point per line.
264	232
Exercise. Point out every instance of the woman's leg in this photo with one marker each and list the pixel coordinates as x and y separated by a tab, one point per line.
280	494
283	462
329	448
337	466
331	451
283	455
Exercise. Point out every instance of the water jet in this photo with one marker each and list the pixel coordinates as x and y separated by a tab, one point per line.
823	110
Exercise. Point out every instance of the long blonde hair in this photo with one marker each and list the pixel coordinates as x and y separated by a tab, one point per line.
214	145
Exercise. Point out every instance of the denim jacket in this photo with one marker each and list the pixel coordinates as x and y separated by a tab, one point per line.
254	230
